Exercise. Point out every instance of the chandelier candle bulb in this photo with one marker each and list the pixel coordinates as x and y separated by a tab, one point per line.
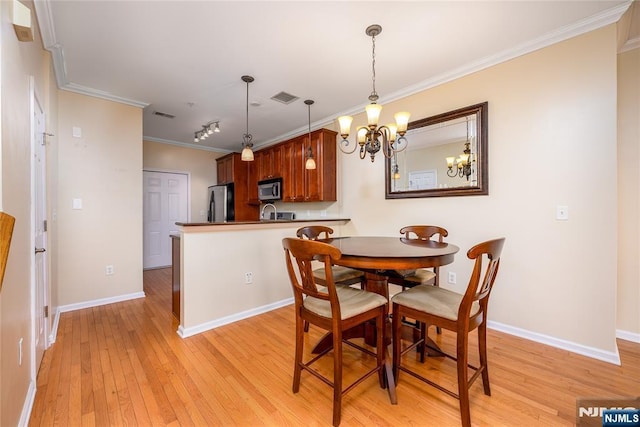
402	121
373	114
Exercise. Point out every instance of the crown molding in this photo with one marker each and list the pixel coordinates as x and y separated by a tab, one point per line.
47	31
591	23
630	44
72	87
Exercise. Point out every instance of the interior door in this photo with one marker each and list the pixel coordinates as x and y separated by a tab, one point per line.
165	203
39	212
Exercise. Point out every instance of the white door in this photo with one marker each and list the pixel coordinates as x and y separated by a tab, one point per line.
39	215
165	203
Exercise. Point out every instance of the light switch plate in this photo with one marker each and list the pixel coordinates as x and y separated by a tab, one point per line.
77	132
77	203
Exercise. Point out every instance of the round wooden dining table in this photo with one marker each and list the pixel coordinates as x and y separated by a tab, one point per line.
379	257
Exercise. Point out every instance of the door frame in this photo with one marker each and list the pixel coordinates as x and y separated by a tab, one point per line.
34	102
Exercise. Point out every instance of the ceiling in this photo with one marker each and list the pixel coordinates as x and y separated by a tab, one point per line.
186	58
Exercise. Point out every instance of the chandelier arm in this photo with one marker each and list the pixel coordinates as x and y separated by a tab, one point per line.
345	143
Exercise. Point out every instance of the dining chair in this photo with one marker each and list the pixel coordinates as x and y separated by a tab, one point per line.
455	312
344	276
422	276
333	308
6	232
341	275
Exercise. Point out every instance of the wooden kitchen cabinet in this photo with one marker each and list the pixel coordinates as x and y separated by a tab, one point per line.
231	168
225	168
293	171
315	185
269	162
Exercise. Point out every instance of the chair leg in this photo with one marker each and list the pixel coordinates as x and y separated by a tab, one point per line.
396	326
423	336
484	365
337	377
380	347
298	357
306	326
436	282
463	378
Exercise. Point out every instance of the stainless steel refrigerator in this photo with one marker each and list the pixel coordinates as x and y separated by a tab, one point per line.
221	203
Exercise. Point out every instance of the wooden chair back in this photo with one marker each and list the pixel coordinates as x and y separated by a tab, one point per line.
6	232
314	232
301	253
424	232
480	285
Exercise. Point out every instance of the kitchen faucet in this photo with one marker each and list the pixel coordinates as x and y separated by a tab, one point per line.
275	211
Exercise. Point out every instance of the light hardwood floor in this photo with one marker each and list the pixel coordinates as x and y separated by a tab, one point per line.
124	364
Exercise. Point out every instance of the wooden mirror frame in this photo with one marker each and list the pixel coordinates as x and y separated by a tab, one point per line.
482	156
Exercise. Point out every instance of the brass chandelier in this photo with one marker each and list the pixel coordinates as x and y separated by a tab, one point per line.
461	166
373	138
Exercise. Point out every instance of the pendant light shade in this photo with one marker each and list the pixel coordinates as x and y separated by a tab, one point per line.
247	152
310	163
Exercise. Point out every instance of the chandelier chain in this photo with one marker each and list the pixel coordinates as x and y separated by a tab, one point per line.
374	96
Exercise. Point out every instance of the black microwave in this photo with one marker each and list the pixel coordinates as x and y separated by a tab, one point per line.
270	190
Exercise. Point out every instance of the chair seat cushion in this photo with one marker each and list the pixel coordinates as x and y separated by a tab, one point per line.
420	277
340	273
434	300
352	302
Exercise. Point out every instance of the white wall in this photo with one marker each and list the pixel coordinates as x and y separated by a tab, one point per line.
20	61
103	168
628	318
200	164
552	141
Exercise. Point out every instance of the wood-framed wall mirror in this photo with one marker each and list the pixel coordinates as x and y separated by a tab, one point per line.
446	156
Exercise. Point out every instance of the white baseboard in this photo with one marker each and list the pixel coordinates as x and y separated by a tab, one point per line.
28	405
628	336
595	353
54	329
193	330
99	302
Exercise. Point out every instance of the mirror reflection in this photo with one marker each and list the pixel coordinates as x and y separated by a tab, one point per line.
446	156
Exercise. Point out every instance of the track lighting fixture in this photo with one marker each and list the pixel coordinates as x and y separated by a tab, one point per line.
206	130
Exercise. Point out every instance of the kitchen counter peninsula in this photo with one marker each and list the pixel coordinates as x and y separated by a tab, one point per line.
262	222
233	270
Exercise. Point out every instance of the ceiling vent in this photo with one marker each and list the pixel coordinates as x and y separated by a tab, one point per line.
284	97
165	115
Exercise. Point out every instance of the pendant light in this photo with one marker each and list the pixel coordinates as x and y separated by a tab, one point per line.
310	163
247	152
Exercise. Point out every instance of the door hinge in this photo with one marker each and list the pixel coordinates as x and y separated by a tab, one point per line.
45	225
44	137
46	311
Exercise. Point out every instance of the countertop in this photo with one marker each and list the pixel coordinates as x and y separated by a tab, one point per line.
265	222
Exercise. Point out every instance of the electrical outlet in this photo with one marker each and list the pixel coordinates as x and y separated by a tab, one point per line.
562	213
452	278
109	270
248	277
